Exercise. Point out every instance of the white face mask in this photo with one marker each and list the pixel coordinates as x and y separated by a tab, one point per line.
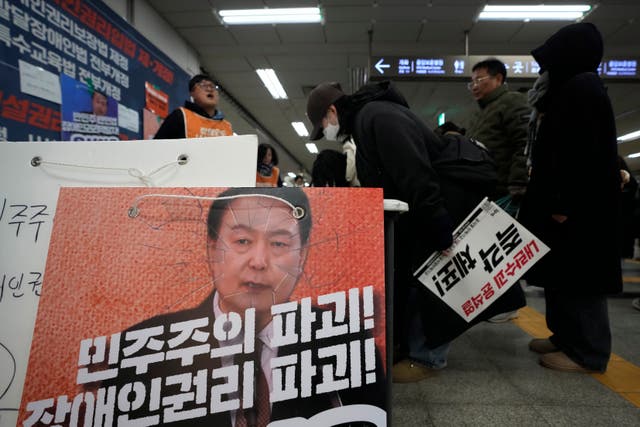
331	132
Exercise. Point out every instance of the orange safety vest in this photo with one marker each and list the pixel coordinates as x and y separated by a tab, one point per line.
196	126
268	181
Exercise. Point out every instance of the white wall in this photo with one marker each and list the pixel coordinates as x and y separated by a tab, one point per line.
157	31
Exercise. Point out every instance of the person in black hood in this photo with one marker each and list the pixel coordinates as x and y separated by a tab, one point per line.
199	118
572	200
394	148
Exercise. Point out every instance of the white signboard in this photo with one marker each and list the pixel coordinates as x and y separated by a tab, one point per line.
491	251
128	118
38	82
31	174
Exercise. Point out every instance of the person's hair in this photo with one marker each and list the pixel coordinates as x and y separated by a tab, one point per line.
199	78
493	66
99	93
262	151
293	195
329	169
449	127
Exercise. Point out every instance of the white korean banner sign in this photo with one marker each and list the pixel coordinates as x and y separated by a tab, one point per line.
491	251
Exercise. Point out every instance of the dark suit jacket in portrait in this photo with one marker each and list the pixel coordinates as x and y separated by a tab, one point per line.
372	394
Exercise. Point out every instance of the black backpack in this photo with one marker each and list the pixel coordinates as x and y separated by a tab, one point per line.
467	174
467	162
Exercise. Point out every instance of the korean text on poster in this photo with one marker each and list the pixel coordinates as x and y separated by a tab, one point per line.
491	251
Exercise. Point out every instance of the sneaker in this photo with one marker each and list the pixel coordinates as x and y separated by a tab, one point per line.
504	317
636	303
561	362
542	346
408	371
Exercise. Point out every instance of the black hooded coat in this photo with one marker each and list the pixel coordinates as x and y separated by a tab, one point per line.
396	151
574	169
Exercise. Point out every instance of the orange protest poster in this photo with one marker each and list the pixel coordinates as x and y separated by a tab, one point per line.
216	307
156	100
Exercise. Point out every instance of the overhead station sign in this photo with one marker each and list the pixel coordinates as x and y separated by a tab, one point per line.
446	66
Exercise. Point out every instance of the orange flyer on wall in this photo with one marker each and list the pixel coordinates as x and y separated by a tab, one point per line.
211	307
156	100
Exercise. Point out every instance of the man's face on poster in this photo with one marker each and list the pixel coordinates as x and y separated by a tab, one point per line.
99	104
257	258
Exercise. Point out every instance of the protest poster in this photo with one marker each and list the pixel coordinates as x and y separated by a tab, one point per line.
87	114
202	307
156	100
491	251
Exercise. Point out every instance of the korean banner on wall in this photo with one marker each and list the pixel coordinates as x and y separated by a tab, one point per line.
491	251
86	41
211	307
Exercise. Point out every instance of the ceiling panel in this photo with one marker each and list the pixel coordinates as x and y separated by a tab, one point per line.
298	34
199	37
254	34
220	64
442	31
192	18
407	32
347	32
166	6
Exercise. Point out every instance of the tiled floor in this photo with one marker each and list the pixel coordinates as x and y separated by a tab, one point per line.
494	380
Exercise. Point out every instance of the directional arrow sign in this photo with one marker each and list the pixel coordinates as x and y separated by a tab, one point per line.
380	66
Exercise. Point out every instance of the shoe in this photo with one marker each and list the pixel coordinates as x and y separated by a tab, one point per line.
636	303
542	346
561	362
504	317
408	371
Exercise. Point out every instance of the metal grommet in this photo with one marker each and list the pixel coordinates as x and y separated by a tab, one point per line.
226	326
36	161
133	212
183	159
298	212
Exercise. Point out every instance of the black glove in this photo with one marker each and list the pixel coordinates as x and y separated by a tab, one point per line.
440	232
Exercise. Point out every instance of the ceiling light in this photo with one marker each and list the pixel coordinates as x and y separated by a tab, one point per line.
534	12
634	155
298	15
629	137
300	128
271	82
313	149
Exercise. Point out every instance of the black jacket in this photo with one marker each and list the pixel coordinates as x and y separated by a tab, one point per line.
574	169
173	126
396	151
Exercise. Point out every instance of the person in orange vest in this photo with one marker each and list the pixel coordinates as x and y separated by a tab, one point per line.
199	117
267	172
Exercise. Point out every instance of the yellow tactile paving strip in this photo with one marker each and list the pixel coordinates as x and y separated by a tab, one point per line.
622	376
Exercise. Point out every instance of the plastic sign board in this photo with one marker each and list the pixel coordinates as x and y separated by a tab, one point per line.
491	251
448	66
28	198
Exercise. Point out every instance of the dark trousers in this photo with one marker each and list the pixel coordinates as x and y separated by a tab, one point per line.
580	326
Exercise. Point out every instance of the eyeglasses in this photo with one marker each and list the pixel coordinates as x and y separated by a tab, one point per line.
207	86
475	82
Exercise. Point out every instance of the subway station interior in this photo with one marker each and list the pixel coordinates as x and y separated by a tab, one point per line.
426	48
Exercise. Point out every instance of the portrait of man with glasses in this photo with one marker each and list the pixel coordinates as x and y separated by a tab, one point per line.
199	117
